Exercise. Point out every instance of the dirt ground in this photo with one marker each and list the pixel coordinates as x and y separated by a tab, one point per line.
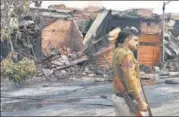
81	97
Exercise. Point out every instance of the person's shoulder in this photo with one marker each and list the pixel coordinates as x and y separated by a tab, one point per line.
121	51
128	57
128	62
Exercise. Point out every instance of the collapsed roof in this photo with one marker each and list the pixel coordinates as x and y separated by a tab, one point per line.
109	20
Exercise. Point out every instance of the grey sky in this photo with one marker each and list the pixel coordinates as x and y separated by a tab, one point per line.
120	5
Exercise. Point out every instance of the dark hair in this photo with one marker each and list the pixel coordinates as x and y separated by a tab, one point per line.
126	33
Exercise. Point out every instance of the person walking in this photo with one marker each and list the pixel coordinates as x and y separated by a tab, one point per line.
127	94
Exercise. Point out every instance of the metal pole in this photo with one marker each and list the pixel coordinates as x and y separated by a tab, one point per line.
163	34
163	28
145	97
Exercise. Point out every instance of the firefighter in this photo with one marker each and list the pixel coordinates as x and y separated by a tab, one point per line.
125	63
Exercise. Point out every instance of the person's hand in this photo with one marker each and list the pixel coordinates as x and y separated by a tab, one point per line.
142	106
141	114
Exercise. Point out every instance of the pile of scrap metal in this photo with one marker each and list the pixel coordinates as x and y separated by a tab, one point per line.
171	44
66	55
30	37
25	41
171	41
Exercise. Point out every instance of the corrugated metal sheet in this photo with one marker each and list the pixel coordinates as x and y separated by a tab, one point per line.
145	13
56	15
92	30
84	24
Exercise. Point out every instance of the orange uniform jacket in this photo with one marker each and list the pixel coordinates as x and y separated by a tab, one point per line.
130	70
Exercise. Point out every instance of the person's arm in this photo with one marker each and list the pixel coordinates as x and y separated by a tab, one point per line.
132	81
129	73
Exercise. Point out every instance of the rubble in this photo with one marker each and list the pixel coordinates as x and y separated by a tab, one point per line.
171	47
148	79
47	72
75	64
173	73
146	68
27	44
156	69
64	65
99	79
148	76
172	81
69	66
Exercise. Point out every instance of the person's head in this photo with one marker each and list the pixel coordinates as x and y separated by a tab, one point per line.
128	37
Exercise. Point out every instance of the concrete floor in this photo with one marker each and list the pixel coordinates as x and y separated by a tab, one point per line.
81	98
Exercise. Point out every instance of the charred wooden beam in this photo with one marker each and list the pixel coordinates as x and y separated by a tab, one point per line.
80	60
48	58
